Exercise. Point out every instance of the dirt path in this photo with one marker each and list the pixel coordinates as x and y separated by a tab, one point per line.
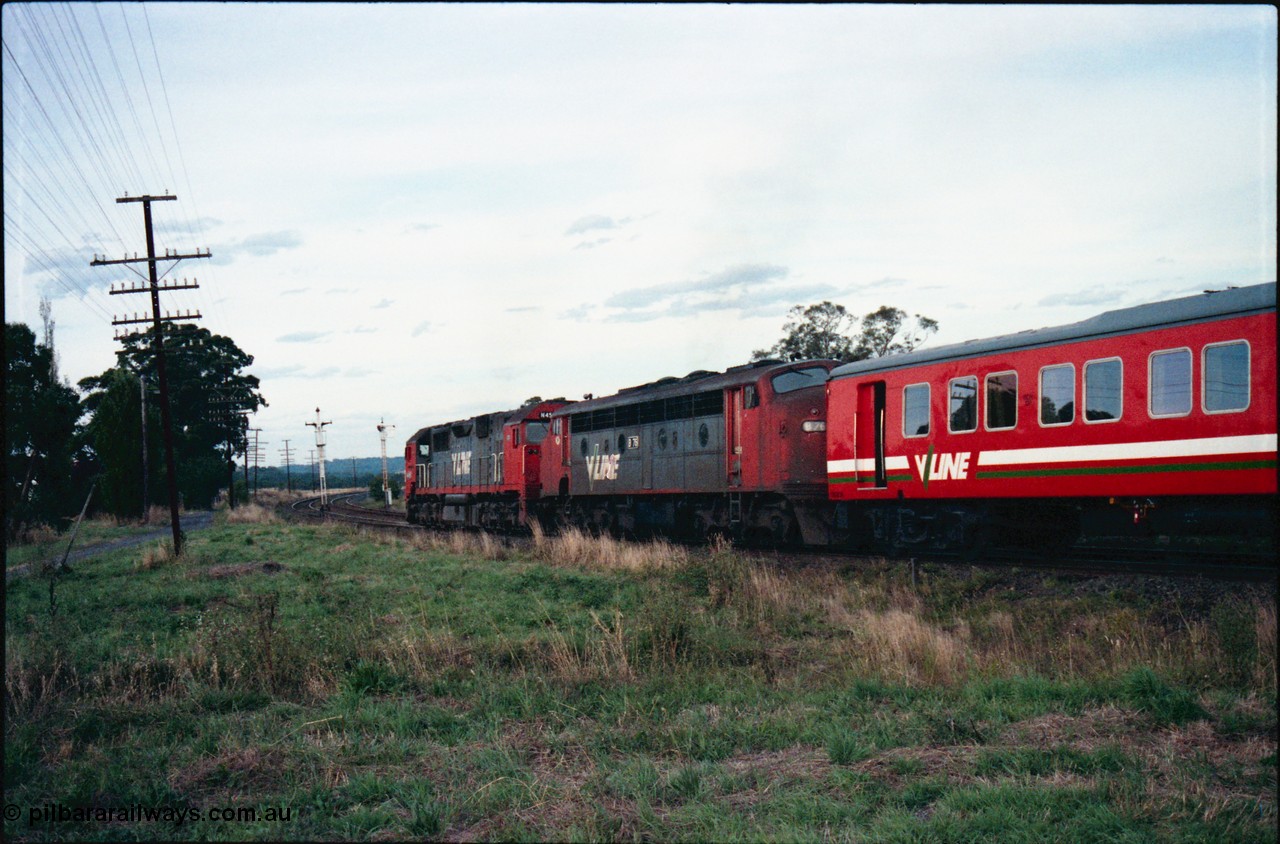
195	520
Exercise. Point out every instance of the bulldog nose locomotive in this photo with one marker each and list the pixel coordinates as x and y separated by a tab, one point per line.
737	453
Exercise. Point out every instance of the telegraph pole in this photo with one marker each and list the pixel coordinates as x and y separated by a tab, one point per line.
255	432
386	490
157	341
146	497
288	481
233	403
319	426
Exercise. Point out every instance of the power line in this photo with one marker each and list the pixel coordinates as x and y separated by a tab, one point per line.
66	138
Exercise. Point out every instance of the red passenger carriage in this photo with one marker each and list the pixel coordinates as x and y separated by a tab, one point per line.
1164	411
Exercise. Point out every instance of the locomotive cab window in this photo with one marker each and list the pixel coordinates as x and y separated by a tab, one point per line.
915	410
798	379
1057	395
1103	390
1169	383
1225	370
535	432
963	416
1002	401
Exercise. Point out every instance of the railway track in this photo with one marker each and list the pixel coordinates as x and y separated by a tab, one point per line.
1101	560
342	508
1083	560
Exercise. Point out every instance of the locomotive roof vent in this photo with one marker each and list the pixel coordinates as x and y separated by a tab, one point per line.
755	364
698	374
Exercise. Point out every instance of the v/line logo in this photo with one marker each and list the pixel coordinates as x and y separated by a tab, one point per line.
942	467
602	467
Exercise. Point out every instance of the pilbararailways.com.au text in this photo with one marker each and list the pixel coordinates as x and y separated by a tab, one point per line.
56	813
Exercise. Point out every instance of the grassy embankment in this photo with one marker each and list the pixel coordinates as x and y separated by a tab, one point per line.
448	687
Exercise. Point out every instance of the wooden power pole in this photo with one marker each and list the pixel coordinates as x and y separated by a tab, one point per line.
157	321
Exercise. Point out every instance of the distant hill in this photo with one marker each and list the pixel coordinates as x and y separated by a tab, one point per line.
351	471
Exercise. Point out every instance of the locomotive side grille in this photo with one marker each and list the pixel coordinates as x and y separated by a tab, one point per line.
707	403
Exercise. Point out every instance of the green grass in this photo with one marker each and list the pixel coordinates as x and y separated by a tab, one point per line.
453	689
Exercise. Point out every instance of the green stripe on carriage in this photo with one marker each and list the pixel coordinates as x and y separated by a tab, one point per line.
1233	465
897	479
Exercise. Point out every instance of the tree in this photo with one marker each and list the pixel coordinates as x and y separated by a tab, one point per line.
115	434
41	415
818	331
825	330
885	331
202	367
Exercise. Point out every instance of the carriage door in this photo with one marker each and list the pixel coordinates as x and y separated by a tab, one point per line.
869	431
733	437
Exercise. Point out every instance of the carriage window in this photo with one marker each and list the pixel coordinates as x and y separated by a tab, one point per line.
1226	377
535	432
1103	390
1002	401
750	398
915	410
1169	380
1058	394
964	404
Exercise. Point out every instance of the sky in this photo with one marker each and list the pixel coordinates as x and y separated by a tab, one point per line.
421	212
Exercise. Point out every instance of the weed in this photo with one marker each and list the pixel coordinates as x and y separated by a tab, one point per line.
1143	689
846	747
252	514
154	556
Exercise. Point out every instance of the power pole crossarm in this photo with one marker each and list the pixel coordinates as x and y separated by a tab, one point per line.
157	341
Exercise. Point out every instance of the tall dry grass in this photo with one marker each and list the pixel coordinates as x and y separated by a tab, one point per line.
462	543
573	547
601	656
155	556
252	514
1264	674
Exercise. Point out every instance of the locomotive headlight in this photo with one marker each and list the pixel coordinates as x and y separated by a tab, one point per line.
813	426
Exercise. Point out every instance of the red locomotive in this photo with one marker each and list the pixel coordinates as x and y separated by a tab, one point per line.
1165	410
478	472
737	453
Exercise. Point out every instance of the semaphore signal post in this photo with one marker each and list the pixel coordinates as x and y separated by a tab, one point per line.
157	341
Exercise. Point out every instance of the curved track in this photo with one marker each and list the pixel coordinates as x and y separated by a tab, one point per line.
342	508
